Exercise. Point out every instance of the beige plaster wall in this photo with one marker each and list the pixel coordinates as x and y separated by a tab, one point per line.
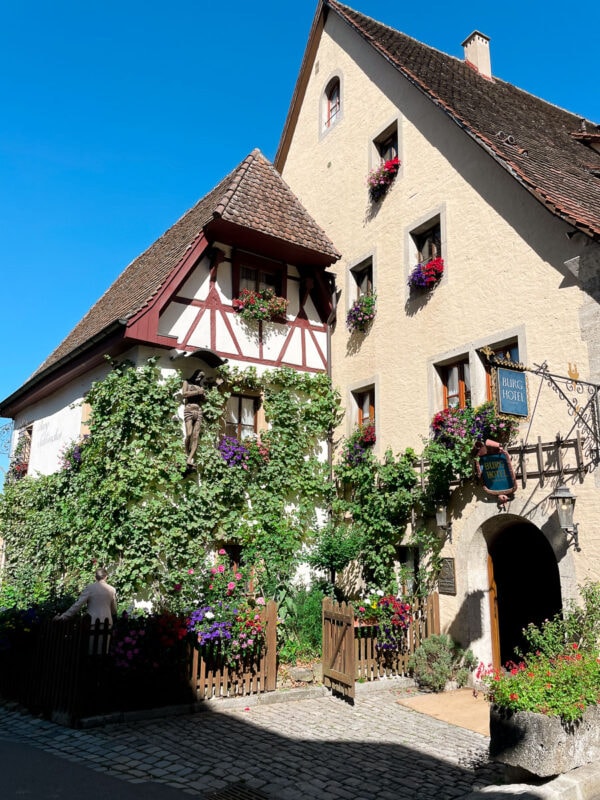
505	277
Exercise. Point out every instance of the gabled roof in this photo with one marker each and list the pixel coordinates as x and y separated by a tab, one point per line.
529	137
251	199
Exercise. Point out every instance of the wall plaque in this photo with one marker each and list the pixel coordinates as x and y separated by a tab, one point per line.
447	577
511	392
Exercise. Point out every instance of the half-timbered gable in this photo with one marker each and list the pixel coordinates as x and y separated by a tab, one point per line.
177	300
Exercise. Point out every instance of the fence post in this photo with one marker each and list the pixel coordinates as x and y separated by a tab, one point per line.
271	647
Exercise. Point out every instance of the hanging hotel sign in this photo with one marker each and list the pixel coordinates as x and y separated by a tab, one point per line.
495	471
511	392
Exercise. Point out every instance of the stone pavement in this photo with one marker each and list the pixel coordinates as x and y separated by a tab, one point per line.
317	748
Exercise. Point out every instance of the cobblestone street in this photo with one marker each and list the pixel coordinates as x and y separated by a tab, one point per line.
320	748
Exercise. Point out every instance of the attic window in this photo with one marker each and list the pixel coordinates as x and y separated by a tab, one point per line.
332	103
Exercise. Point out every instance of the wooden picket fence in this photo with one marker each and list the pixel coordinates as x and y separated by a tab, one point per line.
64	672
350	651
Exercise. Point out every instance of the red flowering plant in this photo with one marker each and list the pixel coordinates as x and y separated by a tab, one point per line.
263	304
560	676
427	274
381	178
358	443
563	685
389	614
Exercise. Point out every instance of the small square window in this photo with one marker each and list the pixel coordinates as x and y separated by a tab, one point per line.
428	242
362	277
386	144
240	416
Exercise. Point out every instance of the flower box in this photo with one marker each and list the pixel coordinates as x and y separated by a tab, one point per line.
427	274
381	178
543	745
362	313
261	305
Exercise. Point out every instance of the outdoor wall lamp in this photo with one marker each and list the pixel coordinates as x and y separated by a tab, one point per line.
442	521
565	505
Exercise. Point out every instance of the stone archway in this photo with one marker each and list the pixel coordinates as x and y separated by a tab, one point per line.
526	582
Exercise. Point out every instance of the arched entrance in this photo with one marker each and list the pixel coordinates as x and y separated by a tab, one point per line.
524	585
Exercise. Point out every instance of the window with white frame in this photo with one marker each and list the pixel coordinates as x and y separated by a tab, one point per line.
332	103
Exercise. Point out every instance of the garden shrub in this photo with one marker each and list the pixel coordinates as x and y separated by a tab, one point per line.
301	625
438	660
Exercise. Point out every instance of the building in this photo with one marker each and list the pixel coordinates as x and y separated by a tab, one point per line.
176	300
493	197
503	190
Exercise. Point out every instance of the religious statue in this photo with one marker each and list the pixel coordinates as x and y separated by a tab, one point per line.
194	394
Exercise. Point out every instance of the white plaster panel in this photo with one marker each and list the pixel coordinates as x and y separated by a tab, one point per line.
197	285
176	320
201	335
224	282
293	354
274	337
311	311
246	334
224	338
313	359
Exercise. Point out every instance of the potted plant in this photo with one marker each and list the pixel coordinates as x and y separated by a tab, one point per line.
427	274
362	313
259	305
381	178
544	714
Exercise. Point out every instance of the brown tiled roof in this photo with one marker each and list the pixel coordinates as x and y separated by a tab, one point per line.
253	196
528	136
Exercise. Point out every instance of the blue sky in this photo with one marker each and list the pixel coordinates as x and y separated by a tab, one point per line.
118	116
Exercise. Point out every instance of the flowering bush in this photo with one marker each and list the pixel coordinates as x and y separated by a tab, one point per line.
481	423
148	642
263	304
427	274
234	452
362	313
70	456
563	685
233	631
389	614
382	177
356	446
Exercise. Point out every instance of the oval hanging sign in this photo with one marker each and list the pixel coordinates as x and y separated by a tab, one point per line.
495	470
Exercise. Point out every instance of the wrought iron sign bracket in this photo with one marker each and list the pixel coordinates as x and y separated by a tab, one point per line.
582	399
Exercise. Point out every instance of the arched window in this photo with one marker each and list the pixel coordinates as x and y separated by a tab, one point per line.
332	103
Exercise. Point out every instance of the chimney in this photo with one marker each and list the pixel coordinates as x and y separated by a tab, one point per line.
477	54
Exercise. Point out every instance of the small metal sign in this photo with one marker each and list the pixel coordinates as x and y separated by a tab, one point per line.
511	392
497	474
447	577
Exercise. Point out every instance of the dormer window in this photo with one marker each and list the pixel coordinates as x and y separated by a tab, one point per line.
332	103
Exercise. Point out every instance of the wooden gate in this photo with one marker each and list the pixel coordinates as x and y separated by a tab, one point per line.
339	669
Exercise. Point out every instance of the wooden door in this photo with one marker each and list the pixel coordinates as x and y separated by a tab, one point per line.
494	619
